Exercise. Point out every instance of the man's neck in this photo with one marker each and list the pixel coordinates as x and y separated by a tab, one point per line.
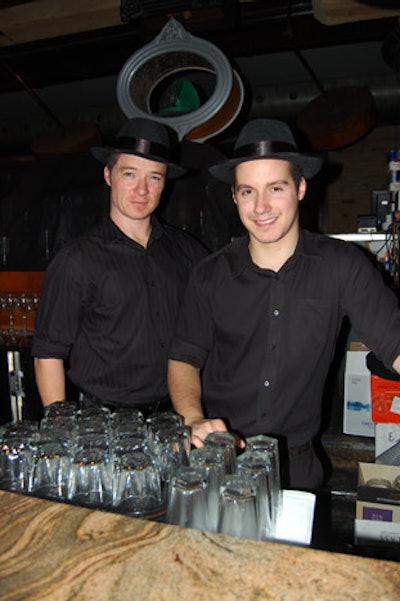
272	256
138	230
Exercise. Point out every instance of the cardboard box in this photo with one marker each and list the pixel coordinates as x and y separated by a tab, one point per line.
378	492
377	509
357	415
385	398
386	436
373	532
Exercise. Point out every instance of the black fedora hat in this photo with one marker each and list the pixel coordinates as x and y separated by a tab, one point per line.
145	138
266	139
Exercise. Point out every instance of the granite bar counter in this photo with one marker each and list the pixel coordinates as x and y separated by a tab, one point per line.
58	552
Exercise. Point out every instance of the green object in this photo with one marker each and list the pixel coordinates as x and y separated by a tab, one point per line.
184	97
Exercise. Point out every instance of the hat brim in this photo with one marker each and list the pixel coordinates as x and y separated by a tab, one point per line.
103	153
310	164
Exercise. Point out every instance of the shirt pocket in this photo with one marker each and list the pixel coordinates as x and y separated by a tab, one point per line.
312	327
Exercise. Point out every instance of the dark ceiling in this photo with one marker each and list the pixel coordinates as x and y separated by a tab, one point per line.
68	55
239	29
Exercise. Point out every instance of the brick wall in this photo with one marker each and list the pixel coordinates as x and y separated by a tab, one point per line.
352	174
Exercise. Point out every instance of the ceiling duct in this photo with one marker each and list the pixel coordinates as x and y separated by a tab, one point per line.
287	101
207	14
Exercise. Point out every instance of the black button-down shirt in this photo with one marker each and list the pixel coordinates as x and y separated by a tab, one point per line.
110	306
264	340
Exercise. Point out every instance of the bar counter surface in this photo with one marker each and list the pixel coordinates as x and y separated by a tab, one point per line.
58	552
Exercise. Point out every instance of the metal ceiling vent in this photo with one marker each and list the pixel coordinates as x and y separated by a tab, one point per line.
181	80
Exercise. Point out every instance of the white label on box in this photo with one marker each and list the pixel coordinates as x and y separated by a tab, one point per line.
383	533
357	418
386	435
395	408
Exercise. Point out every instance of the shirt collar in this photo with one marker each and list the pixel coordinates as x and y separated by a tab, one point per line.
241	257
112	233
306	245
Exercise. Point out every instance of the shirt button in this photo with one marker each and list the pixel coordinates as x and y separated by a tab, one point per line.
266	383
276	312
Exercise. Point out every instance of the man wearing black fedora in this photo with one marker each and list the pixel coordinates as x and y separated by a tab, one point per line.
110	298
261	317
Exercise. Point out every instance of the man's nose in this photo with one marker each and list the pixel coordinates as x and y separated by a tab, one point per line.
263	204
142	186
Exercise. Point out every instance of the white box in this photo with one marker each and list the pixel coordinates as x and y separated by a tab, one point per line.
386	436
375	532
357	418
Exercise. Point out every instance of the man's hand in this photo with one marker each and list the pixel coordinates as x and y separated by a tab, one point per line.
200	427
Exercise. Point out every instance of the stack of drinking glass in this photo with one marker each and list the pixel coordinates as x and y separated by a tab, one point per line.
118	460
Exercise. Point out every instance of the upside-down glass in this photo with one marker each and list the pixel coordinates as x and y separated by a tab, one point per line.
212	461
16	460
187	500
161	419
225	442
137	484
91	478
239	507
256	465
51	470
17	447
127	414
171	446
269	446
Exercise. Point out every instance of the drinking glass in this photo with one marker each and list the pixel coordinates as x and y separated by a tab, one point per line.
60	409
212	461
171	446
97	423
256	465
86	441
59	420
51	470
127	415
166	420
4	318
123	445
32	305
16	460
129	429
25	302
137	484
92	410
91	478
10	308
63	432
187	500
269	446
128	422
26	430
239	507
226	442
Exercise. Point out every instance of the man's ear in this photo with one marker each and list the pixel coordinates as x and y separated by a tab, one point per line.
233	194
302	189
106	173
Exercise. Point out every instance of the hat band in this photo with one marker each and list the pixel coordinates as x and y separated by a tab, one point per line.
264	147
143	146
